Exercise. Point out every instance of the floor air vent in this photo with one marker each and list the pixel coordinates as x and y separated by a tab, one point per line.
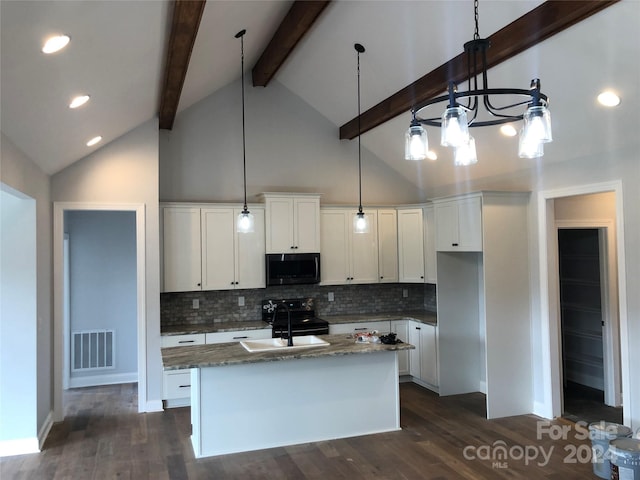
93	350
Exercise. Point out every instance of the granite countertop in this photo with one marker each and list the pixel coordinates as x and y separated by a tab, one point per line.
220	354
421	316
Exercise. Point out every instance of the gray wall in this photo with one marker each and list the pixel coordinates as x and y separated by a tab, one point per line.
290	147
102	282
20	173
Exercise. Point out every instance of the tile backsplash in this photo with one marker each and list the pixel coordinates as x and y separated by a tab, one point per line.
222	305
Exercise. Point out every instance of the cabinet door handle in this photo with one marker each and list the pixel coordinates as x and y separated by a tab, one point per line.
454	244
381	278
240	338
186	341
198	284
421	276
418	328
184	386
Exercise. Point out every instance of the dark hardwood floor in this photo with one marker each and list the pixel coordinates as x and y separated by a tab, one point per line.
103	437
585	404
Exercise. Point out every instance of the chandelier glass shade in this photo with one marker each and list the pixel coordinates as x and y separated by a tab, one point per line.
480	106
245	222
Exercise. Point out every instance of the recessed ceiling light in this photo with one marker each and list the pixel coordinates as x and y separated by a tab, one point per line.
608	99
508	130
93	141
79	101
431	155
54	44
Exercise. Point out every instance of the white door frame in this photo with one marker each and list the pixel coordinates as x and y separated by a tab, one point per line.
608	285
59	208
549	295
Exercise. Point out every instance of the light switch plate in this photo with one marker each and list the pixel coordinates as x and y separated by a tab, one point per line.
330	296
241	301
405	293
195	304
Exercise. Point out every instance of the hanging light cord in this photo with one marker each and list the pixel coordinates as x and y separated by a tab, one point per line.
244	148
359	48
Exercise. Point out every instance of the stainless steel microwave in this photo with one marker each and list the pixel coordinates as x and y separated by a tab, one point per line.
292	268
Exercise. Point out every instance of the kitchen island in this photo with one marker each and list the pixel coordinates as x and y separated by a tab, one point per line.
242	401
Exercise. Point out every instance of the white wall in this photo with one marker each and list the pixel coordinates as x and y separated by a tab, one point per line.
126	170
102	270
20	173
616	166
18	380
290	147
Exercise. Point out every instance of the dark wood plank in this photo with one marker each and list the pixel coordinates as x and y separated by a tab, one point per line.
544	21
184	28
294	26
118	442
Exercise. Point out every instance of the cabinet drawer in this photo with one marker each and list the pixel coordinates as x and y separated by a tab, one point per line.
177	384
238	335
381	326
182	340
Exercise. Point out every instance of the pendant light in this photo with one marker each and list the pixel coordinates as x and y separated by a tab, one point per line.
360	221
245	222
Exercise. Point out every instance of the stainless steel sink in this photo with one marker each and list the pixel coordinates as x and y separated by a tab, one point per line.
270	344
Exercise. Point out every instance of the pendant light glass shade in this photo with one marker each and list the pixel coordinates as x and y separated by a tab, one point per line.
528	149
537	125
245	222
455	130
465	154
416	143
361	223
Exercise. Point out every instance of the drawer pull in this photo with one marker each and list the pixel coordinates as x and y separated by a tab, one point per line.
238	338
454	244
186	341
360	329
184	386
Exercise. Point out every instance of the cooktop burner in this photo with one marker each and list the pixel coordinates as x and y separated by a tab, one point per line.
303	317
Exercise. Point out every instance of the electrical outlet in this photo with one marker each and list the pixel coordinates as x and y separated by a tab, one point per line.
405	293
241	301
330	296
195	304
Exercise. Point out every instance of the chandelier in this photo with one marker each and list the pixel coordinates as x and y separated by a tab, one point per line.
462	110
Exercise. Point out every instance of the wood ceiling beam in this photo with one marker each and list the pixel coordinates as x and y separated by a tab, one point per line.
532	28
184	28
294	26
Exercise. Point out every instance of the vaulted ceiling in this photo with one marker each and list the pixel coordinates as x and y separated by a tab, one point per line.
139	59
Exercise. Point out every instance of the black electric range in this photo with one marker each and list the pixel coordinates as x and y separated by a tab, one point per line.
303	317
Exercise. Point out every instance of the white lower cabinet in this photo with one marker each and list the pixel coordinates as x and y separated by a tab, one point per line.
423	360
401	329
176	384
382	327
238	336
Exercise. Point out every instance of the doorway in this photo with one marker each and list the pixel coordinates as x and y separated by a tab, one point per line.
583	292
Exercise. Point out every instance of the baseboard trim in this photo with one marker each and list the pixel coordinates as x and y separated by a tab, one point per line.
23	446
540	409
45	429
154	406
97	380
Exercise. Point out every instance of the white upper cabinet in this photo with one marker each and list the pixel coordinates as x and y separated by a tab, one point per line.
430	244
459	225
230	259
203	251
410	245
292	223
181	249
388	245
347	257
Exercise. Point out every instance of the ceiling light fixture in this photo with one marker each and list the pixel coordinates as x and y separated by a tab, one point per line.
608	99
245	222
93	141
79	101
55	44
455	121
360	221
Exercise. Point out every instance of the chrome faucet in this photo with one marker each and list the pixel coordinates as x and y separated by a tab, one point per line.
275	311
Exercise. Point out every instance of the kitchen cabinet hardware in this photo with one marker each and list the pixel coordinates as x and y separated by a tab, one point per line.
184	386
454	244
240	338
360	329
186	341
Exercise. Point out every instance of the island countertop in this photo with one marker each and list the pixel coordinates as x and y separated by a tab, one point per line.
221	354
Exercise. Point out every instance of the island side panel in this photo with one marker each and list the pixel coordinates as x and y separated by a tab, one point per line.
262	405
